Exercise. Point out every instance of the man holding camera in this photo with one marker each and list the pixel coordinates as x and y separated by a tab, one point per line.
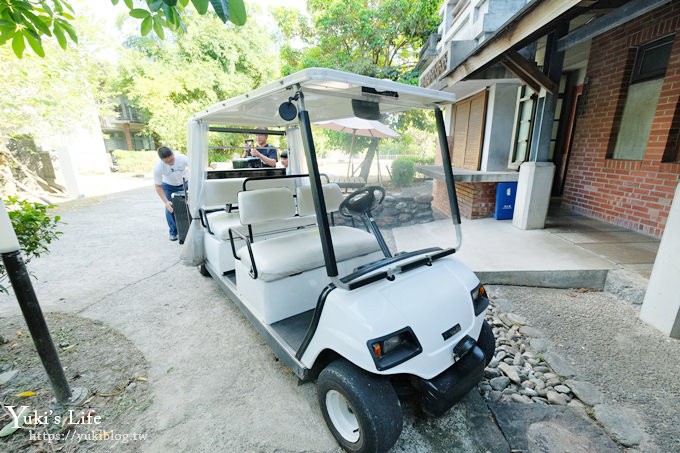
262	150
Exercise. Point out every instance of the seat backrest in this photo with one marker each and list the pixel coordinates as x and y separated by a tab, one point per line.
270	183
265	205
331	194
219	192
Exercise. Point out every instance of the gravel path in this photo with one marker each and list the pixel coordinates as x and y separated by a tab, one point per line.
635	366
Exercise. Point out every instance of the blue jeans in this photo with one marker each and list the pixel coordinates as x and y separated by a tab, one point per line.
169	216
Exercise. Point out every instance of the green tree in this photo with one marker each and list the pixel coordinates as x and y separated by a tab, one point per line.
34	227
379	38
28	21
173	79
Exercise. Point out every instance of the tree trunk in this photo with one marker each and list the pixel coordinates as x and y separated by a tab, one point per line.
368	160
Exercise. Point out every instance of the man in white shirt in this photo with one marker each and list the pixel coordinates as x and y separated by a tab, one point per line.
169	175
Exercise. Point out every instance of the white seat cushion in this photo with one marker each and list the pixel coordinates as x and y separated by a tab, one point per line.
221	221
301	251
332	195
219	192
264	205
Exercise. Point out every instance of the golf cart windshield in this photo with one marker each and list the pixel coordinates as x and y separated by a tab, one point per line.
363	153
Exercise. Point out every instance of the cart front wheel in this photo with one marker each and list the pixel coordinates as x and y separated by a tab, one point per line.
204	270
361	410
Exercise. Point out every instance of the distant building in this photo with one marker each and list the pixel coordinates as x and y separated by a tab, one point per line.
125	131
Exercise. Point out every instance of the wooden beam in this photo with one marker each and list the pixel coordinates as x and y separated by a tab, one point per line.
528	72
530	22
619	16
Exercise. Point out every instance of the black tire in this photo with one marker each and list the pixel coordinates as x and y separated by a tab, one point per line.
203	270
358	398
487	342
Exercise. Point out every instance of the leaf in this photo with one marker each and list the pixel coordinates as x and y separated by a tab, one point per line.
201	5
128	3
114	2
18	45
237	12
155	5
139	13
39	23
34	42
147	25
26	394
158	28
10	428
69	30
59	34
141	379
172	17
221	7
172	3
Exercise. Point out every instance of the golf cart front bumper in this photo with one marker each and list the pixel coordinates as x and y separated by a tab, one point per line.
438	394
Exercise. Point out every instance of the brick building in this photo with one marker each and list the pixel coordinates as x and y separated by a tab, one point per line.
594	88
596	121
631	187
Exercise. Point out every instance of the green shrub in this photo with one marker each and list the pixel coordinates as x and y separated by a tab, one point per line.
402	172
419	160
34	227
135	161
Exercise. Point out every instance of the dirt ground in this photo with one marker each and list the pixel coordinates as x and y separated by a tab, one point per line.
112	372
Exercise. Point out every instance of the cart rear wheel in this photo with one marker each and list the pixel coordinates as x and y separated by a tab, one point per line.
361	410
203	270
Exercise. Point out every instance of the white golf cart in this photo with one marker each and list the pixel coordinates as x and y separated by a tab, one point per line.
334	302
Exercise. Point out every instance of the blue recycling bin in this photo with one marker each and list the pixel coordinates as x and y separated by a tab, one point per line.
505	200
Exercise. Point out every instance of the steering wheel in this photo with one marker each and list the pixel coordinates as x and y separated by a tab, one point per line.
362	201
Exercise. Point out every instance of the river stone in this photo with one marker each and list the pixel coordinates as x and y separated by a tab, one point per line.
560	365
586	392
490	373
510	372
618	422
528	392
7	376
499	383
562	388
520	398
556	398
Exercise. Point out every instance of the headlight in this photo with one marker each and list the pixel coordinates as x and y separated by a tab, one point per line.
395	348
480	301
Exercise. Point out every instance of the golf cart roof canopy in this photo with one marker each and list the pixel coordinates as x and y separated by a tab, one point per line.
328	94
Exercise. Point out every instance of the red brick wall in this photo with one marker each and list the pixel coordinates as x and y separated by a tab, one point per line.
475	200
634	194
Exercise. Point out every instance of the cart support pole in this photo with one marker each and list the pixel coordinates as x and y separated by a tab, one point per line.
23	289
317	190
446	162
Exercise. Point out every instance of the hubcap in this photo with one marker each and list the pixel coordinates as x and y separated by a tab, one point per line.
342	416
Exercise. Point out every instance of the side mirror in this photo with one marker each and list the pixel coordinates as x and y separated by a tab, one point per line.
288	111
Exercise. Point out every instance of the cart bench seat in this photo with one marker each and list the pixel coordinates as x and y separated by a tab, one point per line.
301	251
220	222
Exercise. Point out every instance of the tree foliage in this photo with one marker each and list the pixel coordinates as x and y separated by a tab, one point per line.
47	97
380	38
377	38
29	21
171	80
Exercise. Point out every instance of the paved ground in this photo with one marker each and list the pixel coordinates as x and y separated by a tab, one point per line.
215	384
